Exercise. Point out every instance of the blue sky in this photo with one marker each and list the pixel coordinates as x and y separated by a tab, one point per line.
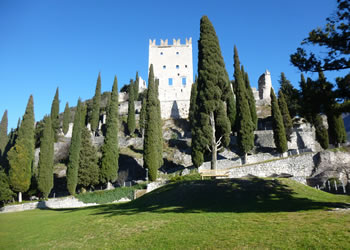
49	44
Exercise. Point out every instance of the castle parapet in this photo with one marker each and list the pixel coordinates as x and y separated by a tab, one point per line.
176	42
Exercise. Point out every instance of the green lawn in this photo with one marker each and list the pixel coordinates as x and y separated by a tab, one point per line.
230	214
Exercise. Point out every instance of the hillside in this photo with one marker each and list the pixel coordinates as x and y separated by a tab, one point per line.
278	213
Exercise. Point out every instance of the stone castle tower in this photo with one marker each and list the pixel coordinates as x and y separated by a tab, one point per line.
173	66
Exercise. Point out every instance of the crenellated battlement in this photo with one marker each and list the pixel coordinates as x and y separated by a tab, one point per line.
164	43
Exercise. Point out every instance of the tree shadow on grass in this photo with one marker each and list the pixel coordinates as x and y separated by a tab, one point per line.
226	195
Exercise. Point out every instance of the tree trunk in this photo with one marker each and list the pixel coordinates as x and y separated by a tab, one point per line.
19	196
214	148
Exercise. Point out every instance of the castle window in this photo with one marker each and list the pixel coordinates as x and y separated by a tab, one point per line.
184	81
185	66
177	52
177	66
178	74
164	67
170	81
161	53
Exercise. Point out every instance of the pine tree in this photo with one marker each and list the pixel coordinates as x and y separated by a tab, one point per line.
193	98
287	120
143	116
110	151
151	147
291	95
131	110
279	134
21	155
45	165
212	126
88	172
3	135
95	115
66	119
321	132
245	125
55	110
74	150
251	100
136	87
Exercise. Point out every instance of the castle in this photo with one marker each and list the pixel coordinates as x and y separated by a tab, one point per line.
173	67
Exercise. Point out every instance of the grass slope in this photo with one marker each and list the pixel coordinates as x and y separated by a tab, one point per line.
234	214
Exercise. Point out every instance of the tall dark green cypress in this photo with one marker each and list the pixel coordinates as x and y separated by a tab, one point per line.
73	163
321	132
21	155
110	150
151	156
83	114
336	129
193	98
251	100
88	172
212	126
6	193
66	119
55	110
3	135
136	86
45	165
291	95
95	114
245	125
131	110
231	109
143	116
160	125
279	134
287	120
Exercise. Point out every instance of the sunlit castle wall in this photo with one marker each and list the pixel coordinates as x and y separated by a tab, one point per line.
173	66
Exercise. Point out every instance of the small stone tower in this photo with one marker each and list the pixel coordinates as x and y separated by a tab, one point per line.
173	66
265	86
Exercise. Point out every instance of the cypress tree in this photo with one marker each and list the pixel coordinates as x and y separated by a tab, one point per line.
6	193
88	173
231	110
21	156
74	150
143	116
45	165
83	114
55	110
3	135
245	125
95	115
287	120
131	110
193	98
160	125
279	134
136	86
110	151
336	129
151	156
321	132
212	126
66	119
291	95
251	100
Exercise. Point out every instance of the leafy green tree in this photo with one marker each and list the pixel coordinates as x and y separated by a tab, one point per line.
95	115
193	98
291	95
3	135
321	132
110	151
334	38
6	193
279	134
74	150
21	155
251	101
66	119
151	156
287	120
131	110
143	116
211	124
245	125
46	156
136	85
88	172
55	110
